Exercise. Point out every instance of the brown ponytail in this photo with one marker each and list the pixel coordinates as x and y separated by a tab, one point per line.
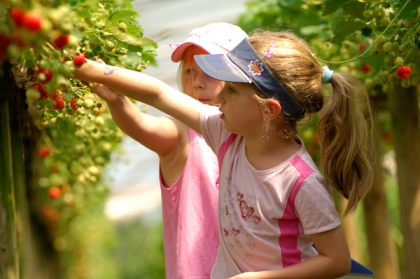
345	125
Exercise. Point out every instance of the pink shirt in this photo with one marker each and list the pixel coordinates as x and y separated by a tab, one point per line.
189	215
266	216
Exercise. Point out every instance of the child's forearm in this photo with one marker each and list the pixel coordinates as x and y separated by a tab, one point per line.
145	89
318	267
130	83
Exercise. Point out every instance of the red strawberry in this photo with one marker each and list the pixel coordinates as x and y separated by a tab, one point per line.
366	68
32	22
73	104
61	41
17	39
17	15
4	44
362	47
57	94
79	60
404	72
45	151
44	75
41	90
59	103
54	192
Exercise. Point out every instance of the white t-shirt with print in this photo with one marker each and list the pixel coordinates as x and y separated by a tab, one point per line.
266	216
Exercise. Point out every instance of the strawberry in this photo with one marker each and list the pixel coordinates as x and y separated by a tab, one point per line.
79	60
73	104
17	15
45	151
17	40
44	75
362	47
54	192
404	72
41	90
32	22
61	40
4	44
59	103
366	68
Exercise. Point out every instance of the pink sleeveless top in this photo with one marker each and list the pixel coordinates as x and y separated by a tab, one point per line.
189	215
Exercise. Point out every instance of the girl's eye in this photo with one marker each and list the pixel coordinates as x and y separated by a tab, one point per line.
231	89
189	71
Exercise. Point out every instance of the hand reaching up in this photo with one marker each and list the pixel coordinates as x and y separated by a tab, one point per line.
106	93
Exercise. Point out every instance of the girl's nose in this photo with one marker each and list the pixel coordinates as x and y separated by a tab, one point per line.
220	98
199	81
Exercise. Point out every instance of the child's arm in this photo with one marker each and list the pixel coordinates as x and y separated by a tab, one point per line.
159	134
143	88
333	261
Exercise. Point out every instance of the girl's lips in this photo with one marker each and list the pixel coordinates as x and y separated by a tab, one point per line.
221	115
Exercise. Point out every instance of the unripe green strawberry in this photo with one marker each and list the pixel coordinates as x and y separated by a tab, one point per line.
398	61
109	45
367	14
122	26
387	47
385	21
385	74
88	103
32	94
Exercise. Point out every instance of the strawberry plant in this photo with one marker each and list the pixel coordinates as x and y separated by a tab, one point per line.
45	41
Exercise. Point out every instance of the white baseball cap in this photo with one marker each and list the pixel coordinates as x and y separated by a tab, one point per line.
215	38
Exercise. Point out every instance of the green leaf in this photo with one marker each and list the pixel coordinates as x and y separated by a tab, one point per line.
129	39
376	61
345	28
313	29
122	14
333	5
149	43
409	11
355	9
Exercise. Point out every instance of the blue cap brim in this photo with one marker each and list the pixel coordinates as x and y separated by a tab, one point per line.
218	66
243	64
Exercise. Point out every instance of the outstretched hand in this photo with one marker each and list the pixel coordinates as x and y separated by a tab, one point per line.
106	93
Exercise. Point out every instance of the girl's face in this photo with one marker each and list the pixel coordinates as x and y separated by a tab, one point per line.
197	84
240	110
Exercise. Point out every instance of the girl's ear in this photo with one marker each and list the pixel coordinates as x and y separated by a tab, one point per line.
274	109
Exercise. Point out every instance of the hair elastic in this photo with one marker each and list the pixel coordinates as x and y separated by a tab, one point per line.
327	75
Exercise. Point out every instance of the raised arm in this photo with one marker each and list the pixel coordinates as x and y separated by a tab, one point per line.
145	89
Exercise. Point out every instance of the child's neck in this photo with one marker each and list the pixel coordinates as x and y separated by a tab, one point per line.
267	152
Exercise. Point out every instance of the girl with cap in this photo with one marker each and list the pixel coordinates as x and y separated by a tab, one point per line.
188	167
274	205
